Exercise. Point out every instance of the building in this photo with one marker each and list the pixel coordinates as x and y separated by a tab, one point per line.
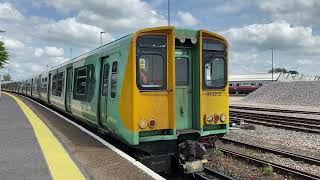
246	83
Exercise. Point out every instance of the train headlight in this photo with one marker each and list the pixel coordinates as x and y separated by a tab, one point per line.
222	117
143	124
216	118
209	118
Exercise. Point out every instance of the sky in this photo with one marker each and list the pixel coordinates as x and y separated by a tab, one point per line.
40	33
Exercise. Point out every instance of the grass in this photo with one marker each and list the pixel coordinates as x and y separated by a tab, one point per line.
218	152
268	170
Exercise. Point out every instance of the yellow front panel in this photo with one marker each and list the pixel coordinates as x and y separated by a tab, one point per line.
213	101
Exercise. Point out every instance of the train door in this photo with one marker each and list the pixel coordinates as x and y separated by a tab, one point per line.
104	89
68	89
183	89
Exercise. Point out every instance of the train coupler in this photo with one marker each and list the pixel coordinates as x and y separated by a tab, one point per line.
191	155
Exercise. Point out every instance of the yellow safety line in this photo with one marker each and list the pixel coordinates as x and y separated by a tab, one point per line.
60	163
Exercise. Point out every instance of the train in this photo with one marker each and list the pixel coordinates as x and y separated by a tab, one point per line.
163	91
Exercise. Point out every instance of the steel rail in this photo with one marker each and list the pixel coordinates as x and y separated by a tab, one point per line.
274	110
277	117
291	155
266	118
276	167
308	130
211	173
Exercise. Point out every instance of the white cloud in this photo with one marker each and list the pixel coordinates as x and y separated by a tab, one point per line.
305	12
8	12
13	44
49	51
54	51
186	19
38	52
114	16
70	31
279	35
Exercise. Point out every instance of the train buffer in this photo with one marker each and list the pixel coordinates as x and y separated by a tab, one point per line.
36	143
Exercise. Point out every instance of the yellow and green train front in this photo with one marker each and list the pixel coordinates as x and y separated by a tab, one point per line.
175	86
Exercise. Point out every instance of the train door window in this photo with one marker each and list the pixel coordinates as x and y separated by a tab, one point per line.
230	84
105	80
114	79
260	84
182	72
80	82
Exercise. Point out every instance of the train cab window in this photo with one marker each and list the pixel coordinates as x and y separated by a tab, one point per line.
114	79
105	80
214	64
151	62
215	72
151	71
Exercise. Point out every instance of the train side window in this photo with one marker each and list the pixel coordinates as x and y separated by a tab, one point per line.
114	79
84	83
54	84
105	79
59	84
80	82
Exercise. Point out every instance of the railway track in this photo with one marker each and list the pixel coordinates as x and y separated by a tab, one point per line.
277	167
210	174
291	155
287	122
273	110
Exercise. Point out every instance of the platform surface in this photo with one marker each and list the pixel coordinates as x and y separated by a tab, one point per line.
20	153
21	156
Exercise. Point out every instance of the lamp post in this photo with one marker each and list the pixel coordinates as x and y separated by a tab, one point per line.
272	63
168	12
102	32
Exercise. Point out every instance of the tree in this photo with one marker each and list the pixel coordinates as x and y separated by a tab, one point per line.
4	55
7	77
278	70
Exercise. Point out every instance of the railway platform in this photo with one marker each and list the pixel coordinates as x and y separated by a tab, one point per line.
38	143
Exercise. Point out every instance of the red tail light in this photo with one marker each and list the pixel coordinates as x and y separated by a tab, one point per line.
216	118
152	123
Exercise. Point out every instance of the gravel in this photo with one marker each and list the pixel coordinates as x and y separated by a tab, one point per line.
298	93
298	142
313	169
